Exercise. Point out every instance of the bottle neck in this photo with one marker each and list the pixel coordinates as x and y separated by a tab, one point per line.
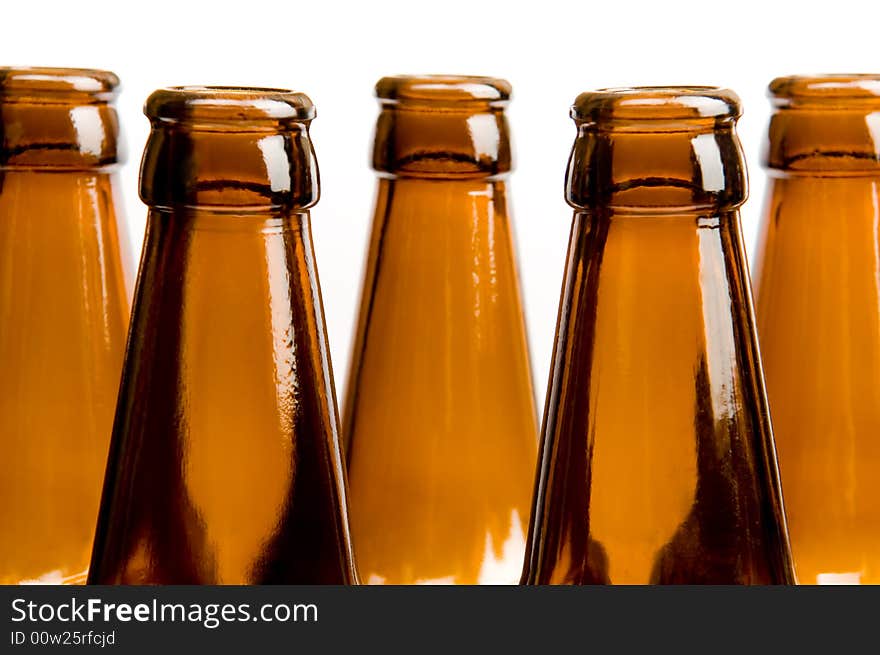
695	215
657	150
229	220
58	136
447	202
824	126
191	252
207	246
249	170
692	239
694	167
58	119
442	143
823	141
229	147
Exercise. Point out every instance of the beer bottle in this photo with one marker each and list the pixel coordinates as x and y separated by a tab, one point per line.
64	300
818	307
657	463
225	465
440	424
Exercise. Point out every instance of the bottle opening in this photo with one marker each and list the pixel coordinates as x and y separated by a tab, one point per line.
648	104
442	126
824	125
229	147
229	105
58	119
443	90
828	91
57	85
663	149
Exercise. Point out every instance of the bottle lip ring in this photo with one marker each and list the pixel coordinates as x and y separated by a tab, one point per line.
443	89
230	105
825	89
43	84
656	103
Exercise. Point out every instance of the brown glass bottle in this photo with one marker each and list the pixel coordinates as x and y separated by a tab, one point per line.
657	462
225	466
817	290
440	423
64	300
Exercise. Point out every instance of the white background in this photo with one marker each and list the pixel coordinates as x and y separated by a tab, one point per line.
550	51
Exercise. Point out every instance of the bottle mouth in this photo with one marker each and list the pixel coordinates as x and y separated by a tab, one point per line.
827	91
443	90
656	104
229	106
43	85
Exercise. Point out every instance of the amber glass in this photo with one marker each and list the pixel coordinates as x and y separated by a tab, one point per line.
225	465
440	421
657	462
817	287
64	299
